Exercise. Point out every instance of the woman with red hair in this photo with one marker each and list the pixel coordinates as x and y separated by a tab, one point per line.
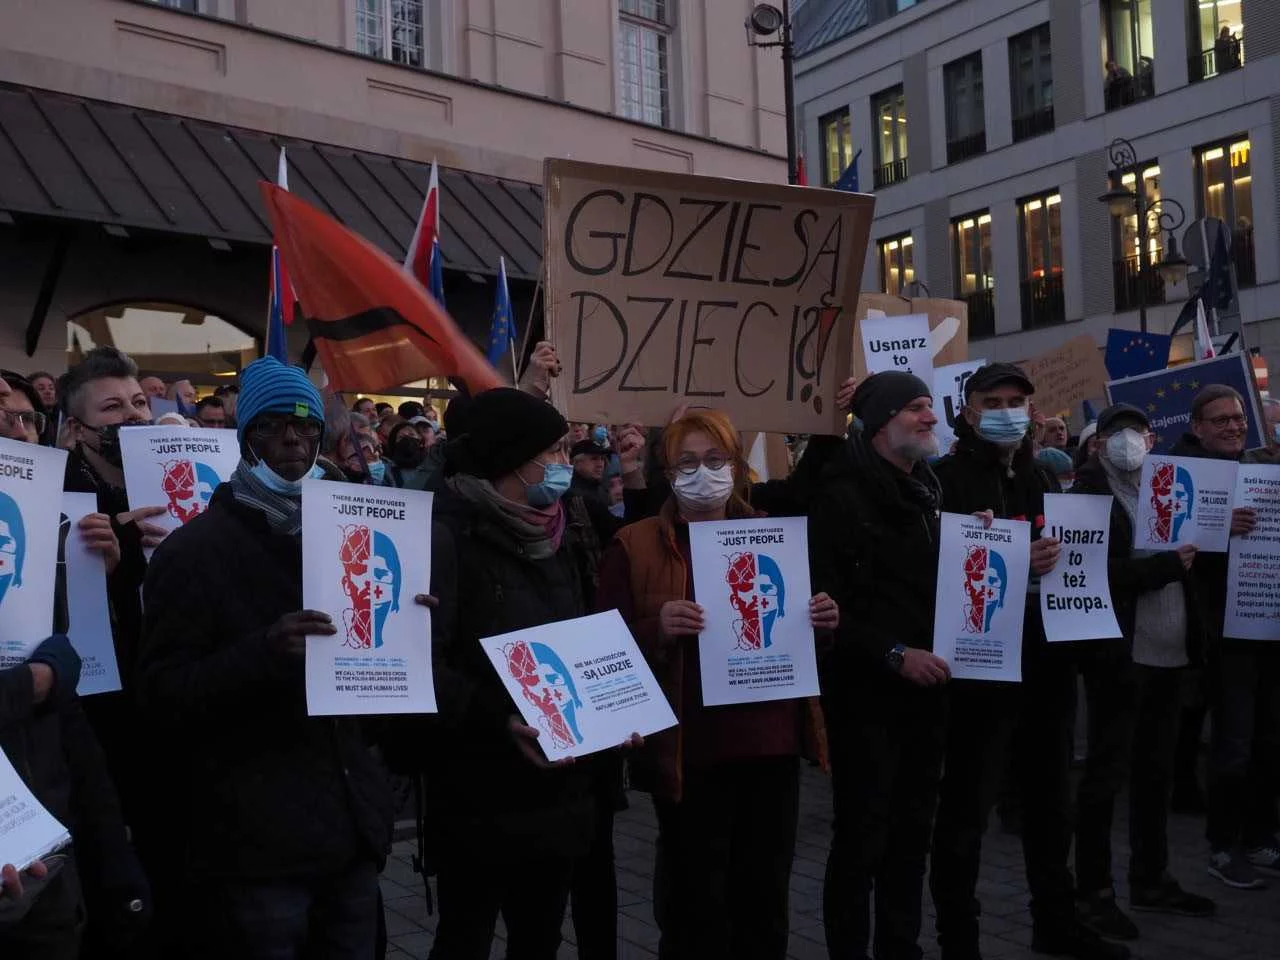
725	782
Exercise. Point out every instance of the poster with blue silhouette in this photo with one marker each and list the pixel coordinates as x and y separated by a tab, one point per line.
582	684
981	596
366	552
30	502
751	577
1184	500
83	606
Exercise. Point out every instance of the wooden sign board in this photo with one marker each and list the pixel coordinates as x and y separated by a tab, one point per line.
948	325
1068	375
667	288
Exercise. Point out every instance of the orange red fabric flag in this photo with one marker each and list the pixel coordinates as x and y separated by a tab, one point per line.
373	325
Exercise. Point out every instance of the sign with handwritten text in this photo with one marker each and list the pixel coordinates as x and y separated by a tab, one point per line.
665	289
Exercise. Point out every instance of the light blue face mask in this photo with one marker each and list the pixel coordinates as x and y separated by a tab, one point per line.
619	510
1004	428
377	471
278	484
556	478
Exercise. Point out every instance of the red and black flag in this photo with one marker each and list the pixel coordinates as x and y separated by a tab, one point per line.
373	325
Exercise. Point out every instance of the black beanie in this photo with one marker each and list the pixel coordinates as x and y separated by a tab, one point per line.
882	396
504	429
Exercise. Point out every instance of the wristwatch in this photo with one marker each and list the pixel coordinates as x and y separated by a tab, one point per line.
893	659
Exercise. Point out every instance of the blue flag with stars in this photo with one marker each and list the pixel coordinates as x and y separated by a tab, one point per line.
502	328
1130	353
1166	396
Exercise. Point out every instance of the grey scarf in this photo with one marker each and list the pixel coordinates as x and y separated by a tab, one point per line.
540	538
283	513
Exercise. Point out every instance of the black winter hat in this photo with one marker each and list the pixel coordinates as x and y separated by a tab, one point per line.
991	375
882	396
590	447
504	429
1114	414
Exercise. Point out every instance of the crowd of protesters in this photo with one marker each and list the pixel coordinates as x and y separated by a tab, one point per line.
212	818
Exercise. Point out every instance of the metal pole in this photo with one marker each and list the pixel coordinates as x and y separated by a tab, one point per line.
1143	256
789	90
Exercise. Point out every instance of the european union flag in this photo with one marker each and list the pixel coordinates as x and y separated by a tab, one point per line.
1166	396
502	328
1130	353
849	179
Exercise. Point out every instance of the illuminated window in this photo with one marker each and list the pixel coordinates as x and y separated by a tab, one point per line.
837	145
644	56
897	269
974	276
1225	191
1042	292
1128	53
889	114
1217	37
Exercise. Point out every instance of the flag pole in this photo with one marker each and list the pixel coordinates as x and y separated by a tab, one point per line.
528	327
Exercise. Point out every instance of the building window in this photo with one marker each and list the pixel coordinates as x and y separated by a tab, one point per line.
1225	189
1042	294
897	269
644	57
1031	83
1216	36
889	114
191	6
1126	241
392	29
966	121
1128	52
975	280
837	145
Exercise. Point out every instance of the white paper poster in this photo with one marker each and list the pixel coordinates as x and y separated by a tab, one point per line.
1075	596
898	343
752	579
366	551
948	399
28	832
982	589
1185	500
31	480
583	684
177	468
87	620
1253	562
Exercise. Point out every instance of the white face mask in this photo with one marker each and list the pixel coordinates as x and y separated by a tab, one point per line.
705	489
1126	450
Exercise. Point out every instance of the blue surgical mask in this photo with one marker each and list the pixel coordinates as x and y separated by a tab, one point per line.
278	484
556	478
618	509
1004	428
600	435
377	471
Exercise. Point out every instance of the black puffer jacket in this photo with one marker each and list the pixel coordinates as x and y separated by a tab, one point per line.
257	789
1131	576
481	790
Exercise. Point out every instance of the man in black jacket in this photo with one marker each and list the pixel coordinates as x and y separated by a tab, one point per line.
1243	680
873	536
1133	687
279	821
993	469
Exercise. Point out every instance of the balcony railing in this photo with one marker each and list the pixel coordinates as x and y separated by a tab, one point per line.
1033	124
982	313
890	173
1130	285
1222	57
966	147
1043	303
1123	90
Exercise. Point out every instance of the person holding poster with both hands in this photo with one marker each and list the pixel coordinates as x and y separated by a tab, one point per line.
725	782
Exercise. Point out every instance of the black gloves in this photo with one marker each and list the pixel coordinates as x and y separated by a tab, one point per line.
59	656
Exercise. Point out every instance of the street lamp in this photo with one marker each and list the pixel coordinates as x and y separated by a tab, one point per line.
1168	214
767	20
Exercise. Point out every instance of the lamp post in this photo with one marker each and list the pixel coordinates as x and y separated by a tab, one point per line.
765	21
1168	213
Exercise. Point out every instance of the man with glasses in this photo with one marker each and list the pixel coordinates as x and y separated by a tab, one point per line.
1243	680
283	819
211	412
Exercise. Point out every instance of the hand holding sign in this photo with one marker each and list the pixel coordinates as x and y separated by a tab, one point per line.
1243	520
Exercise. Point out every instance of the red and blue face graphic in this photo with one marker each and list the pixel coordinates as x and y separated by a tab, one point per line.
13	544
1173	495
189	486
548	686
758	595
985	580
371	581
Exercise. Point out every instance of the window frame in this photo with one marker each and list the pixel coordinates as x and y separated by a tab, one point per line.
903	240
1198	56
387	41
665	31
1141	83
970	144
895	169
1031	317
1246	267
1039	119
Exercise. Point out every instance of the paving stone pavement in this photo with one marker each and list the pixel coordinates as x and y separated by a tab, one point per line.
1247	926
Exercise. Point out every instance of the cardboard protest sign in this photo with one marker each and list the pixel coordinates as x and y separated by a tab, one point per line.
982	588
583	684
367	552
1253	561
666	288
30	506
948	326
948	398
898	343
1075	596
83	607
1184	500
752	579
1067	375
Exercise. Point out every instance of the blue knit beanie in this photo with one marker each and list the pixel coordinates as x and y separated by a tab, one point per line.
269	386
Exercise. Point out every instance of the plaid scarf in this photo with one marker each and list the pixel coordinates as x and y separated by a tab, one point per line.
283	513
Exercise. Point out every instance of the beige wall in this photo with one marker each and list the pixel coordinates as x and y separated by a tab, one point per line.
235	72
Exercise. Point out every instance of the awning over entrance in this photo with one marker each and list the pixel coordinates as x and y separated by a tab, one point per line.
72	158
